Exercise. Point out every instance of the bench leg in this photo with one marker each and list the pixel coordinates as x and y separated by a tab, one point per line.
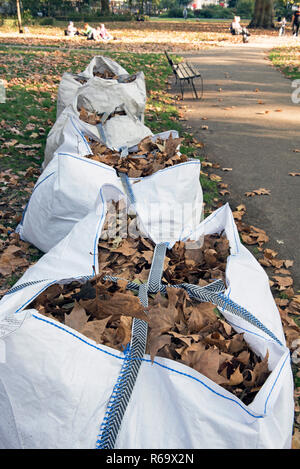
194	89
181	87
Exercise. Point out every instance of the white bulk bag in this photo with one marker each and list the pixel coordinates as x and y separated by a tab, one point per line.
95	87
119	131
67	190
55	383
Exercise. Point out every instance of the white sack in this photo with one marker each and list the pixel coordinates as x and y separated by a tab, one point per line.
67	190
55	383
69	86
69	129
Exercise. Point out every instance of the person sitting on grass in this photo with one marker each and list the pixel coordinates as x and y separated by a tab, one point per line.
105	34
71	31
96	34
87	30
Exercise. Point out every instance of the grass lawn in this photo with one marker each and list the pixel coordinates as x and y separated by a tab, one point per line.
287	59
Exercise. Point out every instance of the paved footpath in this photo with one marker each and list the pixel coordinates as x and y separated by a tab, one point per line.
239	86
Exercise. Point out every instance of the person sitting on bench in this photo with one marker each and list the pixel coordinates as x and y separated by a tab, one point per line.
235	27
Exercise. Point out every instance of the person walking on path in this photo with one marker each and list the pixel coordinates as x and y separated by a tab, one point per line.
282	25
296	22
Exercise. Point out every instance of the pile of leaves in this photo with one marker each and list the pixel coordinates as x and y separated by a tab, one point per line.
107	75
179	329
123	251
148	159
95	118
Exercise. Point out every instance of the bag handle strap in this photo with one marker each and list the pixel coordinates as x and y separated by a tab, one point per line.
134	353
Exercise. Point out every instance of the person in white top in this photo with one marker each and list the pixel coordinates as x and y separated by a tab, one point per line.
71	30
235	27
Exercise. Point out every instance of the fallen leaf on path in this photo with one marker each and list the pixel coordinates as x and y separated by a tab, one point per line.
260	191
294	174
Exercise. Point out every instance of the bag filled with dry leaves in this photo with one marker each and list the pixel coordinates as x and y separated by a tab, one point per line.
115	126
69	186
102	85
215	372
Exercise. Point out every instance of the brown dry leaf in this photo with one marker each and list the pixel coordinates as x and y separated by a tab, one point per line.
283	282
236	377
244	357
121	304
215	177
237	343
270	253
261	369
296	439
260	191
11	259
123	333
77	318
207	362
158	343
95	329
162	318
294	174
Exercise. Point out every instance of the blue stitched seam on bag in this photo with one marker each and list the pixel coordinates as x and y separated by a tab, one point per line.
144	360
76	336
275	381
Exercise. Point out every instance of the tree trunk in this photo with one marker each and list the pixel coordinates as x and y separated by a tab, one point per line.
263	16
19	16
104	6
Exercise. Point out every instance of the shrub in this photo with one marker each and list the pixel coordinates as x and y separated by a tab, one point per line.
47	21
215	11
244	8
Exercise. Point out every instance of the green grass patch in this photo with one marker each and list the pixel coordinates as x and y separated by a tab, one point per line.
287	60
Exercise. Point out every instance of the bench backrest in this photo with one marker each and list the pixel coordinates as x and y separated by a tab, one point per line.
169	59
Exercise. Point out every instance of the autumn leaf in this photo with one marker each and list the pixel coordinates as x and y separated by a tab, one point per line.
77	318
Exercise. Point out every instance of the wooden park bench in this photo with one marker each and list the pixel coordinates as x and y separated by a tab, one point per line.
185	72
